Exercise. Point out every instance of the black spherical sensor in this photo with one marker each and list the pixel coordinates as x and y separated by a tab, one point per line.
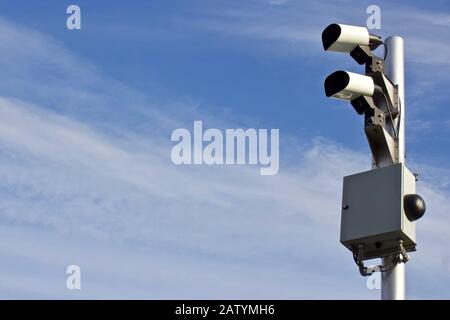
414	206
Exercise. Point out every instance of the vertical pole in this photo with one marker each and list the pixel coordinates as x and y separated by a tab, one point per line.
395	70
393	282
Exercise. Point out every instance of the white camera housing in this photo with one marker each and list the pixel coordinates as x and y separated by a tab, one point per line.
344	38
348	85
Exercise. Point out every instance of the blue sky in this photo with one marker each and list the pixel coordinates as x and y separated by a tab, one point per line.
86	177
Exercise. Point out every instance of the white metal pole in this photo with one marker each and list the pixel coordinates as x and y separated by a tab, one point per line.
395	70
393	282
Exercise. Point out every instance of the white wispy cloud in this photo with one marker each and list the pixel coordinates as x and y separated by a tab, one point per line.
294	29
80	185
302	22
59	177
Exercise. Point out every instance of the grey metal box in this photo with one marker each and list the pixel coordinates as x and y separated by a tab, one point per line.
372	211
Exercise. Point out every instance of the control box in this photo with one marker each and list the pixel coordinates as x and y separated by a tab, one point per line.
373	212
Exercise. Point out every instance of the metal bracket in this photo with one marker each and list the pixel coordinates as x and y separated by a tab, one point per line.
375	65
400	257
381	111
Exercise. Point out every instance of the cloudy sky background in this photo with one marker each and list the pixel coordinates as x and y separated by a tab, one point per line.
85	170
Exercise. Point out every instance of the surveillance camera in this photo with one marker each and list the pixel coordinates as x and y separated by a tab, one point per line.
345	38
348	85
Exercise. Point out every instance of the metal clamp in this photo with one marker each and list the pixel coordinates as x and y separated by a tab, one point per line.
400	257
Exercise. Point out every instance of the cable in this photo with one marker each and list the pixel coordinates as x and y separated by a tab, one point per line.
385	51
400	257
390	115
